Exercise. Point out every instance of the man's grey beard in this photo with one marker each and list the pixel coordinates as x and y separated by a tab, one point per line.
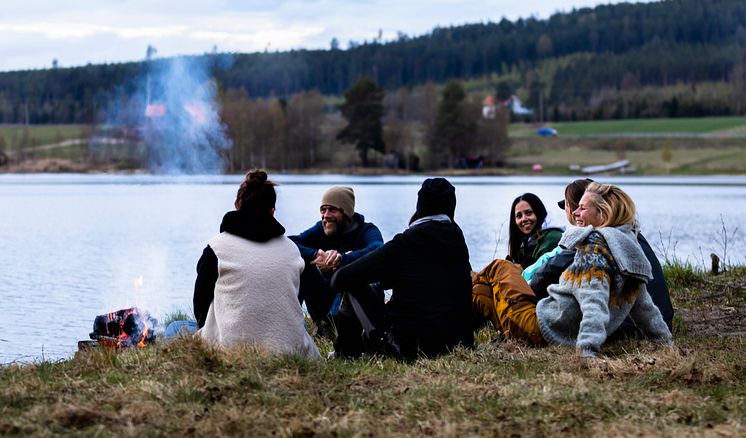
339	226
330	231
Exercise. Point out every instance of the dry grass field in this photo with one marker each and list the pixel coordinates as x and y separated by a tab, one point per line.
186	388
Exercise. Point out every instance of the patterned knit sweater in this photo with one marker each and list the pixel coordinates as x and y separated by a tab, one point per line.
604	284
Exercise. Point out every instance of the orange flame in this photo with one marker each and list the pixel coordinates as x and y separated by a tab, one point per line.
123	340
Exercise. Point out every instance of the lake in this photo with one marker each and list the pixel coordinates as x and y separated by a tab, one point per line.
76	246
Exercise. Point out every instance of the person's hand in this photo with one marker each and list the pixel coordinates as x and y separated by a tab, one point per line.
320	261
320	258
333	259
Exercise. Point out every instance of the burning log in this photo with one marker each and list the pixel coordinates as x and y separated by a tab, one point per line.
126	328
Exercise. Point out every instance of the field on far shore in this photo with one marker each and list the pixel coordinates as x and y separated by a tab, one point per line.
681	127
687	146
500	388
702	146
40	135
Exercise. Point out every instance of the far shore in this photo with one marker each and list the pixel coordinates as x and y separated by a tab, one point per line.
60	165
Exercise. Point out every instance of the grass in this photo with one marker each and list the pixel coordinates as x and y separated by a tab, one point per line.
701	146
41	134
177	315
688	157
499	388
733	125
680	274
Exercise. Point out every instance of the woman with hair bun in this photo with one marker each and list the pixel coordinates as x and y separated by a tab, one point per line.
248	277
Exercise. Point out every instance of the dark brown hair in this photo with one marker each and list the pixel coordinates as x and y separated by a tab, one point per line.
256	193
515	235
573	192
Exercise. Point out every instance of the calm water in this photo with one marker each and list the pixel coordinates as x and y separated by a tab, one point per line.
75	246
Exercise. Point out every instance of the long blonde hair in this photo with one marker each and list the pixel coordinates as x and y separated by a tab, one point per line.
613	204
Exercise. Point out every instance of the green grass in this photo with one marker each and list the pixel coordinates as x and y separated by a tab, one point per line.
679	274
705	156
698	126
176	315
39	135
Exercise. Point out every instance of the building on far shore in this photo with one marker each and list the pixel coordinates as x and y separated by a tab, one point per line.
512	103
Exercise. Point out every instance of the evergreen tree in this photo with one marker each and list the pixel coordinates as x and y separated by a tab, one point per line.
492	139
363	110
455	127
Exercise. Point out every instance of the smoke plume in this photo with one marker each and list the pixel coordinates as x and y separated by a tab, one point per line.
172	113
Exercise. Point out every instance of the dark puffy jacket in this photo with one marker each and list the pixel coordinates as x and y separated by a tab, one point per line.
427	266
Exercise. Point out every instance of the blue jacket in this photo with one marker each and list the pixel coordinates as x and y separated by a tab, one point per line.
359	238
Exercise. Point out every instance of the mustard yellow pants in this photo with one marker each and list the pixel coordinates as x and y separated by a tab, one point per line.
501	295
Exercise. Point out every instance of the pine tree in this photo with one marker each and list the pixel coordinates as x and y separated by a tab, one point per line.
363	110
454	129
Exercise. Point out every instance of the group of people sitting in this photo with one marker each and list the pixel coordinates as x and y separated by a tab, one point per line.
596	280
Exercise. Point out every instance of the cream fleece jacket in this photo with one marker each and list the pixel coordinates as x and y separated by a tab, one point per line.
256	296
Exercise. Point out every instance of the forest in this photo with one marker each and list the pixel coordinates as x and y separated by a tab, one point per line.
612	61
671	58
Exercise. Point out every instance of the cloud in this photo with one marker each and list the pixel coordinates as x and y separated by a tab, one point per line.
57	31
81	31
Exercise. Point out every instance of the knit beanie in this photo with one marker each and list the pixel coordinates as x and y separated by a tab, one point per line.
437	196
342	198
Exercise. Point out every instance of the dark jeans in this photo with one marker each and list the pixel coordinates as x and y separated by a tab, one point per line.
363	328
318	295
361	314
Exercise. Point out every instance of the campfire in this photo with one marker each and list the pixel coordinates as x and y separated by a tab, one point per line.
126	328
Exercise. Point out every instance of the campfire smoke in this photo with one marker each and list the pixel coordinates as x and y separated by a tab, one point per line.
182	129
171	113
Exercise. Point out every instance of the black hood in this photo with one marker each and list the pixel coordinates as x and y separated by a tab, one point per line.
356	222
438	239
249	225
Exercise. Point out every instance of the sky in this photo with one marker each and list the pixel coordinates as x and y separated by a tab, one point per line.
36	33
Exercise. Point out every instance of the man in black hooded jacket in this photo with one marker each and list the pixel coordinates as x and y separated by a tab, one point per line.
427	267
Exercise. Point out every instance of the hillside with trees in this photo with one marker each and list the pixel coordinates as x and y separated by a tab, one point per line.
589	63
672	58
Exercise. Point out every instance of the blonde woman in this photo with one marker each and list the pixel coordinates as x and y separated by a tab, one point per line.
603	285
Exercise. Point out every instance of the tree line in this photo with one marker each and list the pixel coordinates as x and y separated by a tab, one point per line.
611	61
422	128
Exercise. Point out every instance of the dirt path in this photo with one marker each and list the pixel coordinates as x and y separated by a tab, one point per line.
715	306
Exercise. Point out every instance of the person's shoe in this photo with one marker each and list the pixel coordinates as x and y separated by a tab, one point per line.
325	329
384	343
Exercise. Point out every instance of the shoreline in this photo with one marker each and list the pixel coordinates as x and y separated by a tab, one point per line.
67	166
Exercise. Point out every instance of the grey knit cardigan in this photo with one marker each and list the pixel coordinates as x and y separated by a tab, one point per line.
604	284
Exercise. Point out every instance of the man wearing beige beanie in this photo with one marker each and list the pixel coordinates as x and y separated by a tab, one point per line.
339	238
